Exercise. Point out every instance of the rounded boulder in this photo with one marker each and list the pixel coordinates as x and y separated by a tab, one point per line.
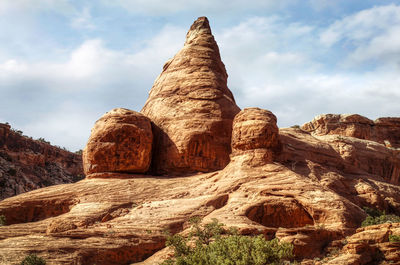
120	141
255	135
254	128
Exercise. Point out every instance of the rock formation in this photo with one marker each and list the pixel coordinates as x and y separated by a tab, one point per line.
27	164
120	141
304	186
192	108
369	245
383	130
255	136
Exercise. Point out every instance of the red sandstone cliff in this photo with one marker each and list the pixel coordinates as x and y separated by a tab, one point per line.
27	164
306	186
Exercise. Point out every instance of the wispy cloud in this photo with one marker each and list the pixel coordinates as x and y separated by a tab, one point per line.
67	97
281	66
83	20
370	35
296	68
29	6
161	7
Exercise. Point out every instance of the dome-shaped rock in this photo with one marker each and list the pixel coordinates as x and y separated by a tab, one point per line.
192	108
120	141
255	135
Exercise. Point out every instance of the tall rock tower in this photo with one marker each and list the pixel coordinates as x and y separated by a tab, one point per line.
192	108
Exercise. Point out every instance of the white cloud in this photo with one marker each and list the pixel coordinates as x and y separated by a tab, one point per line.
161	7
83	20
29	6
362	25
272	64
61	101
279	67
67	125
371	34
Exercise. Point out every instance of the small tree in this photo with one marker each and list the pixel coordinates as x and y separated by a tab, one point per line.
32	259
376	217
208	245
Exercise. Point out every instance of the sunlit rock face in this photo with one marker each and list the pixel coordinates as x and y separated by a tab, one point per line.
121	141
192	108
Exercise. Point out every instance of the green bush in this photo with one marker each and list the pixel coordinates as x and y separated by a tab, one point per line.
32	259
2	220
209	246
376	217
373	212
394	238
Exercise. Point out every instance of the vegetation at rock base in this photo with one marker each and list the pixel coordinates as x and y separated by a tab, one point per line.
394	238
2	220
32	259
376	217
212	244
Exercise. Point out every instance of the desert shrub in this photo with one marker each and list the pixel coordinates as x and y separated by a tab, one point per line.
18	132
208	245
32	259
373	212
394	238
376	217
78	177
2	220
42	140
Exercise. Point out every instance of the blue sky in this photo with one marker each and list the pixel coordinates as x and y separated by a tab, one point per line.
64	63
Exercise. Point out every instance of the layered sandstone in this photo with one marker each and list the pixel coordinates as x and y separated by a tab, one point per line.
27	164
255	136
383	130
297	185
120	141
306	196
370	245
192	108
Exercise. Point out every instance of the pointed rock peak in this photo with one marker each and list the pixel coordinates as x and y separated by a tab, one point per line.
200	27
200	24
192	108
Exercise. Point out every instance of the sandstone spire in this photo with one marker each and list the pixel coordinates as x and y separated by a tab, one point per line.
192	108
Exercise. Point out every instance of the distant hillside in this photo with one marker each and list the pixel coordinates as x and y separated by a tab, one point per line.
27	164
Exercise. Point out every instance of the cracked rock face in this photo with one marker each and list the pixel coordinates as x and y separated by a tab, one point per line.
27	164
255	136
192	108
120	141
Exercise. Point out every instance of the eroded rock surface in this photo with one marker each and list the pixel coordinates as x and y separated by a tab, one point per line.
121	141
383	130
27	164
255	136
192	108
370	245
298	185
305	196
